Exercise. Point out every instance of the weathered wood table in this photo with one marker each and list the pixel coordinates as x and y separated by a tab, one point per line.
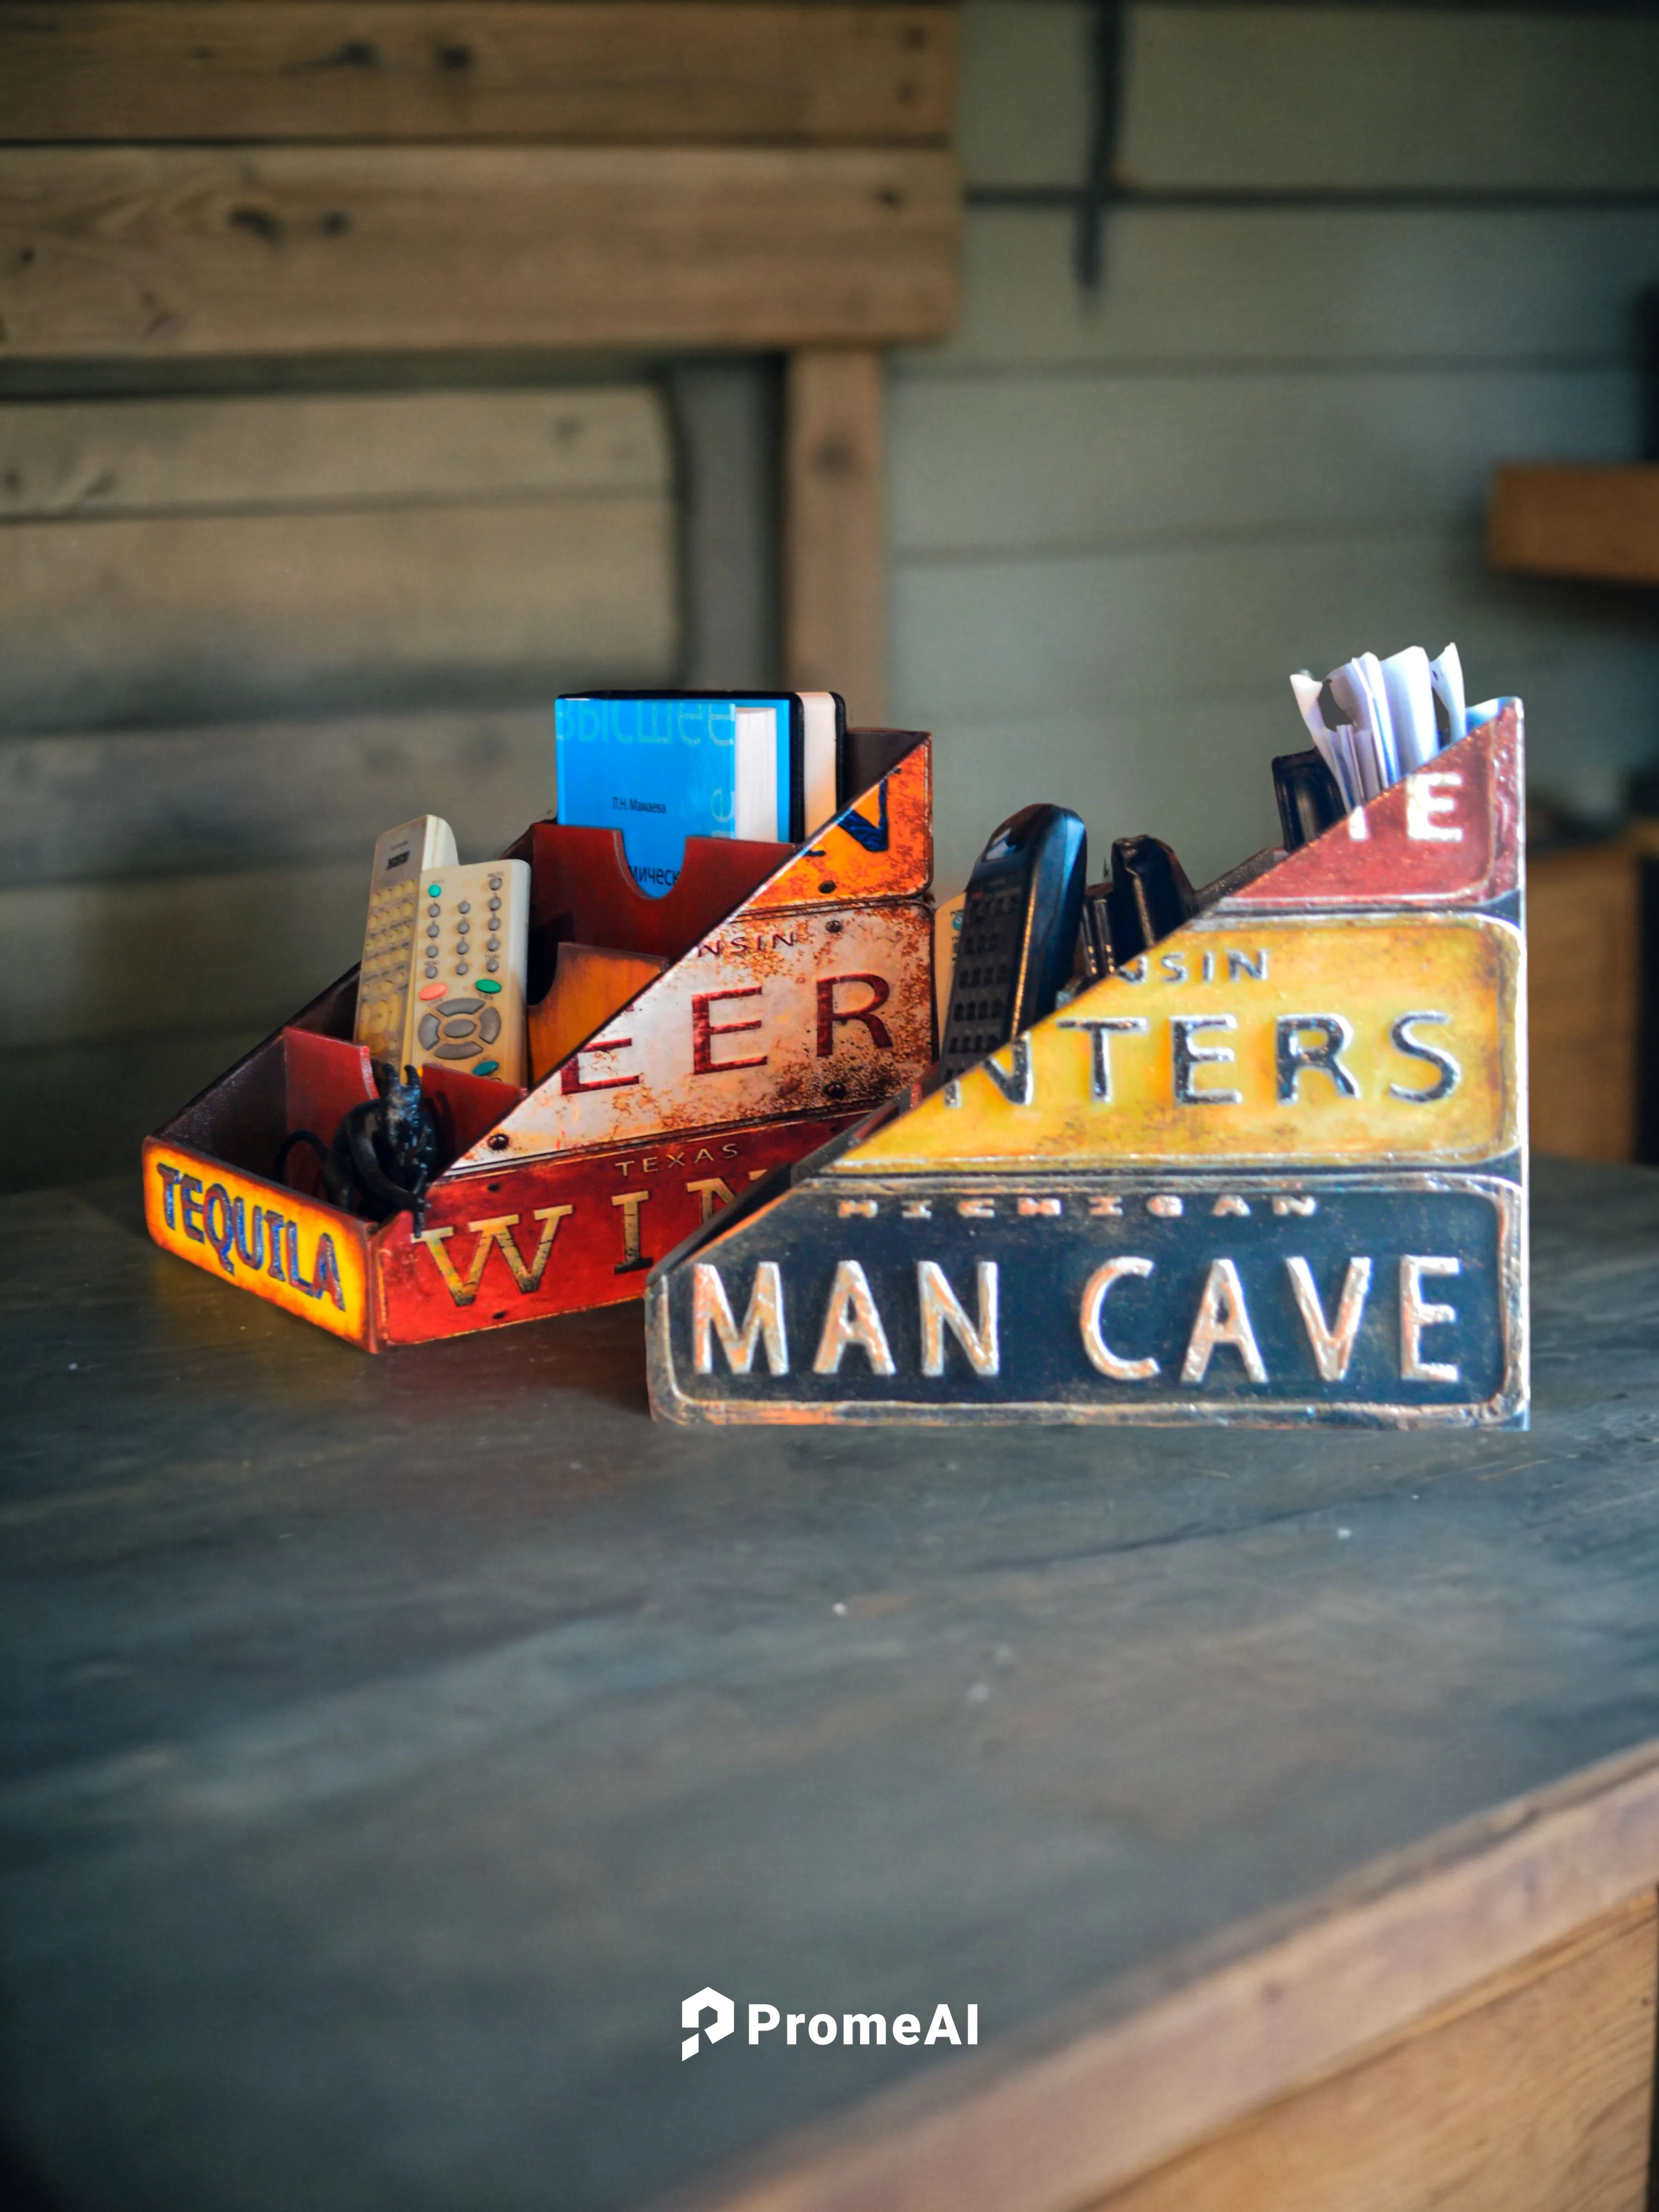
392	1745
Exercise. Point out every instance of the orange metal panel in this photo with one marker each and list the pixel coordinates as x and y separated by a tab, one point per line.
879	848
308	1259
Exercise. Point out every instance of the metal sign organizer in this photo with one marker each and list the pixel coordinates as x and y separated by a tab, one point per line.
1273	1173
796	995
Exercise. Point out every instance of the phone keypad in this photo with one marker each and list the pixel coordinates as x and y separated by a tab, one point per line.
388	954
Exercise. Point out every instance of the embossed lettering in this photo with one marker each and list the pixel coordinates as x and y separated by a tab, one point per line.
1101	1031
1101	1355
1223	1318
762	1324
851	1318
705	1030
1187	1056
942	1309
1417	1314
1305	1043
1331	1345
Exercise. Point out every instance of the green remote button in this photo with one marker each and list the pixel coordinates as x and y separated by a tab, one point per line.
486	1068
491	988
435	890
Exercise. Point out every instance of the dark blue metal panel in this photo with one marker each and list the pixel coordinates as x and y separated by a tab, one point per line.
1090	1298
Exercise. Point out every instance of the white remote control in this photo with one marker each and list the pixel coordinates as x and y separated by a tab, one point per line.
386	978
467	1008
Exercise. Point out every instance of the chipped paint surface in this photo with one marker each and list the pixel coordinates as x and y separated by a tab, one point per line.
881	846
1372	1038
1449	836
1065	1297
809	1004
789	1013
1230	1184
553	1237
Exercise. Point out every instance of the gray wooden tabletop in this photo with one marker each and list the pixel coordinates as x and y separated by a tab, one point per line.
391	1744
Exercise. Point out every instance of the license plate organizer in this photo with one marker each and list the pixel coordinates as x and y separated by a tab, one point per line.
1273	1173
799	993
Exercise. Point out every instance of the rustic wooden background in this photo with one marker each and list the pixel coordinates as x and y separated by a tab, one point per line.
407	238
348	411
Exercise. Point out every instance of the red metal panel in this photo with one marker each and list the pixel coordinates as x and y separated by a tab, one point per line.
560	1236
788	1013
1447	835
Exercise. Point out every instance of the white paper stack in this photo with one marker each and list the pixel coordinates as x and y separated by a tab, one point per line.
1385	718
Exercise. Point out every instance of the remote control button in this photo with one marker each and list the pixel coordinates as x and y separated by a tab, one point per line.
460	967
461	1006
432	990
486	1068
494	906
435	890
492	965
457	1051
463	928
466	906
427	1031
435	908
489	1025
432	929
492	944
461	1025
430	973
494	882
483	986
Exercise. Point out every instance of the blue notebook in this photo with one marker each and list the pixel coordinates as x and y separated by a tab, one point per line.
662	767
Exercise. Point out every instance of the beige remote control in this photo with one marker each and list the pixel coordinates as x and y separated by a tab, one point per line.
386	978
467	1009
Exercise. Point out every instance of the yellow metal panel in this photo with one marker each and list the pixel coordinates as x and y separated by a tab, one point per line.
1359	1039
301	1256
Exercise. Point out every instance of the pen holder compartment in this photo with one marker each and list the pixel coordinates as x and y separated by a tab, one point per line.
795	992
1273	1172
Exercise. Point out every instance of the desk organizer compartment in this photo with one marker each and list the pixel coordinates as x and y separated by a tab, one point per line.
795	992
1272	1172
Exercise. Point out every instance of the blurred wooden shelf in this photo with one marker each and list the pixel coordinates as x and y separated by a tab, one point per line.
1602	524
1584	998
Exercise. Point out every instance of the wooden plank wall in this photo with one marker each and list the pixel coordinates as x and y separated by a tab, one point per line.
1117	522
338	434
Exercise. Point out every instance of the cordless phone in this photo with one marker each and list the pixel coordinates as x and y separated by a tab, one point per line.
1020	916
385	979
1309	799
1148	896
467	1005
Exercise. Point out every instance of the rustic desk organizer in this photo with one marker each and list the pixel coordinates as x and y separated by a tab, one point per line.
798	992
1273	1172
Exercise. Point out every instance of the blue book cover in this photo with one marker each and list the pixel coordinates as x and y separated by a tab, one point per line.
666	769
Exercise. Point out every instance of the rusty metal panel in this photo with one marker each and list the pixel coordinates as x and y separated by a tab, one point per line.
1274	1172
807	1004
881	846
1447	835
309	1259
1370	1038
562	1236
1082	1298
797	1012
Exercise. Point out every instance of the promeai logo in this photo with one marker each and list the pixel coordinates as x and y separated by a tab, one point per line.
691	2013
822	2027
